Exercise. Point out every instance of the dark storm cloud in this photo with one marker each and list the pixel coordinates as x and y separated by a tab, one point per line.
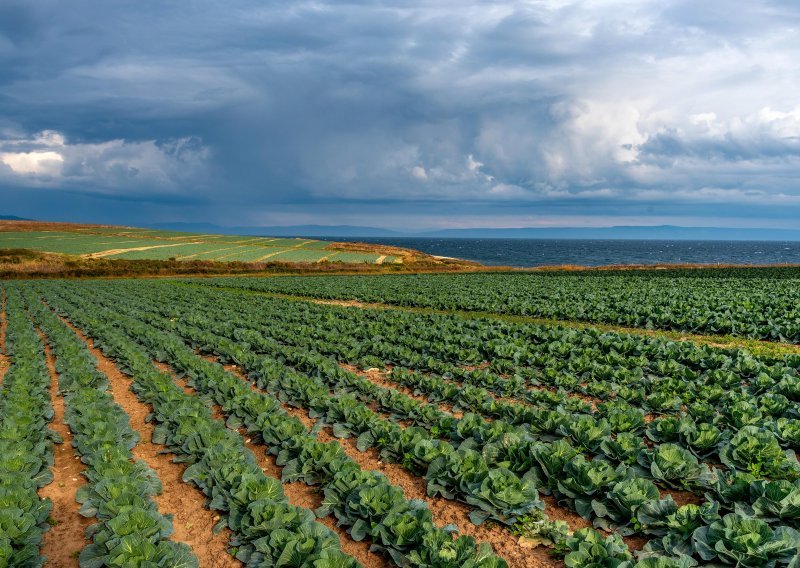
417	112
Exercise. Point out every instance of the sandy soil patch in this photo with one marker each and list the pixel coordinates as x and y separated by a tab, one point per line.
65	539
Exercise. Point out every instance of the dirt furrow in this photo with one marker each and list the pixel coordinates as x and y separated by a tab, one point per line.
67	535
192	520
4	361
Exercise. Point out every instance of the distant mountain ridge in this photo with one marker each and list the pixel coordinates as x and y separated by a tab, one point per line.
13	218
644	232
289	231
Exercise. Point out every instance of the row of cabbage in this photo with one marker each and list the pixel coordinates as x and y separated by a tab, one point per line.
732	399
757	303
266	528
120	490
636	368
631	496
26	442
363	501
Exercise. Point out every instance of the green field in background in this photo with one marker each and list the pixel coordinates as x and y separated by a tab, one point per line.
131	243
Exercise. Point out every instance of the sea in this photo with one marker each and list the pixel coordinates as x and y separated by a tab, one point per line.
584	252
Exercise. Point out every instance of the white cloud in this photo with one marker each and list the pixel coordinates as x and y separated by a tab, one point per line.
37	163
418	172
47	159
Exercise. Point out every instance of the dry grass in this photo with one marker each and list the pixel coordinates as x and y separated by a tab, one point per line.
24	263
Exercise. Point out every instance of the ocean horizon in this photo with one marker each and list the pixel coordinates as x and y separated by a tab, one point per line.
522	253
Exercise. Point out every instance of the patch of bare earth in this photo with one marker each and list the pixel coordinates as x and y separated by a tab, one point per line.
4	362
192	520
66	537
344	303
444	511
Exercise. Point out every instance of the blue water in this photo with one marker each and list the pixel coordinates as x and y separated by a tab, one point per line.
542	252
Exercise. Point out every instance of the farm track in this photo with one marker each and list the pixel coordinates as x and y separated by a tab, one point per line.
67	535
444	511
755	346
4	362
192	520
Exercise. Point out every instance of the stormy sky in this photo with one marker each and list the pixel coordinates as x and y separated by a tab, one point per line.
419	114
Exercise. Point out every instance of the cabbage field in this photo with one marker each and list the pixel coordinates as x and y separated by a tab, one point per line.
757	303
315	435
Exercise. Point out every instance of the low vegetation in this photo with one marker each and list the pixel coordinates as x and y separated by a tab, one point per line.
753	303
604	449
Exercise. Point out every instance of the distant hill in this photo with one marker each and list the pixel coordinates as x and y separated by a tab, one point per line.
130	243
273	231
661	232
13	218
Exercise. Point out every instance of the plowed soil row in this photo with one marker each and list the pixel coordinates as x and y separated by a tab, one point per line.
379	378
192	520
444	511
66	537
197	528
4	362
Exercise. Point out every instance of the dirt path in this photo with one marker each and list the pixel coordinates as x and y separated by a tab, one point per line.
66	537
444	511
192	520
209	252
110	252
4	361
266	256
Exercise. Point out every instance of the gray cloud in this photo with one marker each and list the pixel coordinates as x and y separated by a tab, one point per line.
287	112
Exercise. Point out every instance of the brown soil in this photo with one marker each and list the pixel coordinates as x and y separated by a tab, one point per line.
4	362
192	520
46	226
66	537
553	510
682	498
